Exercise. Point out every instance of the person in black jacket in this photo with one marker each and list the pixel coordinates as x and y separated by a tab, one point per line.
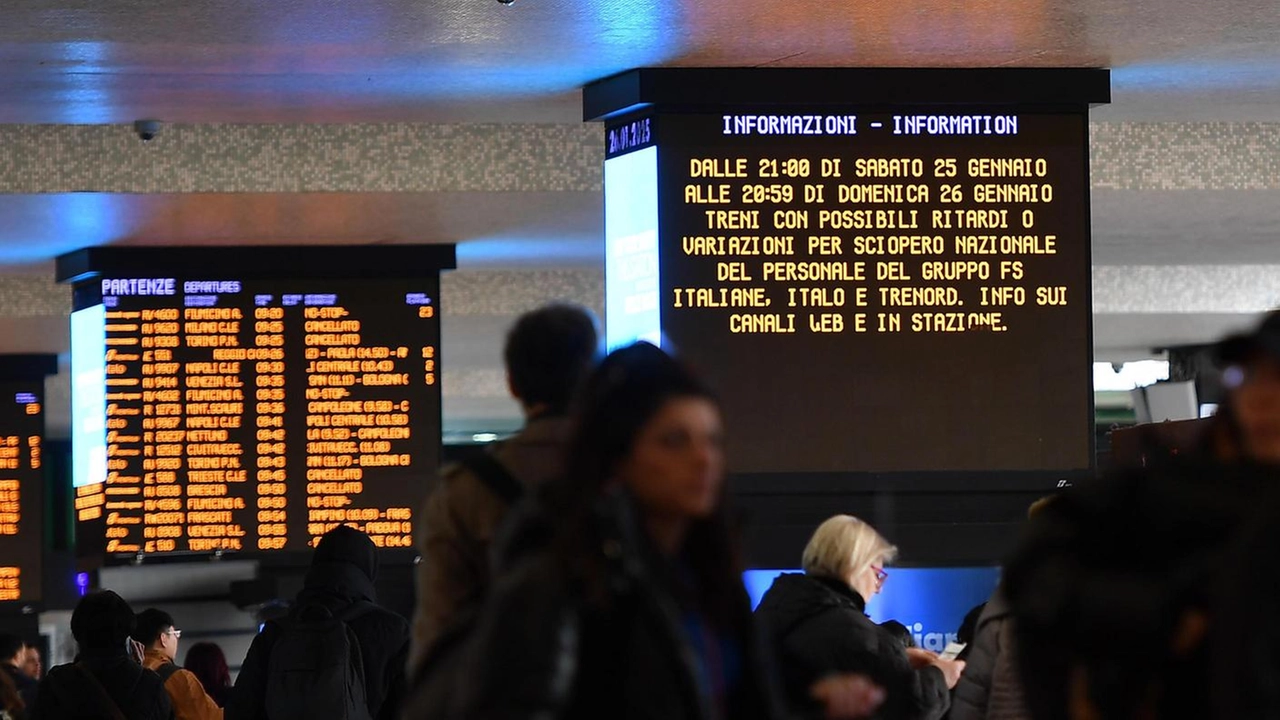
13	653
635	609
107	679
817	625
342	574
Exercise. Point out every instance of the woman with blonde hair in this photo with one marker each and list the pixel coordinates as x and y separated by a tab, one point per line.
817	625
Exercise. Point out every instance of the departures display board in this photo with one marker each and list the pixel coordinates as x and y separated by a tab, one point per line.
21	489
872	289
217	412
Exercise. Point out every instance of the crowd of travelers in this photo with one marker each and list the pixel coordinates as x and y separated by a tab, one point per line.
591	567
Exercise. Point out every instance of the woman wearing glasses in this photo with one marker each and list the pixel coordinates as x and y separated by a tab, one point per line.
817	625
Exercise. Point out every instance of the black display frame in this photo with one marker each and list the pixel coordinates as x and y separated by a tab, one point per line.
83	268
648	94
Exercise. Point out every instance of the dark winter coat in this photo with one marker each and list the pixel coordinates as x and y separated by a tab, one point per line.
337	583
989	688
23	683
819	627
67	694
543	649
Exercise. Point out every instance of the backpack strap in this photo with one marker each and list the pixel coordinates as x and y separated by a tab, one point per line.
495	476
99	693
166	671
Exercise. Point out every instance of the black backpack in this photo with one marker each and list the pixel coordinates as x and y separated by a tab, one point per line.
316	669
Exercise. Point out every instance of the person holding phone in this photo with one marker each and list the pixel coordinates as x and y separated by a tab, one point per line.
106	679
817	625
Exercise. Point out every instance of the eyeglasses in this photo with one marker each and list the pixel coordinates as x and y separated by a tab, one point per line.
176	633
881	574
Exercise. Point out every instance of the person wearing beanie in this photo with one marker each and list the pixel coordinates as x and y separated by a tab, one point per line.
338	584
106	679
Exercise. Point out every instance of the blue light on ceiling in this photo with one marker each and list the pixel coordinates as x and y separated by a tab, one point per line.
600	38
64	222
528	252
1198	75
84	99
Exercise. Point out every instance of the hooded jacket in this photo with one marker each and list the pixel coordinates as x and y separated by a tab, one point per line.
67	693
819	627
342	573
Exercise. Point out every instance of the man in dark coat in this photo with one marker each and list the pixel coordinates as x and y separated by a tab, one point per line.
13	653
546	354
106	679
342	574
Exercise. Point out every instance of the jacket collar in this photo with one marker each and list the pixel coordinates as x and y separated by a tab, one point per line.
545	429
845	593
153	655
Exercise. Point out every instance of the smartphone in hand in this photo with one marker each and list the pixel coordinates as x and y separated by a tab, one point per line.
952	651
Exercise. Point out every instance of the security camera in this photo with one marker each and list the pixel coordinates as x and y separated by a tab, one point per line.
506	2
146	129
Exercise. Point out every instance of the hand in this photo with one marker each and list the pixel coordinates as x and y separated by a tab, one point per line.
847	697
920	658
951	670
137	650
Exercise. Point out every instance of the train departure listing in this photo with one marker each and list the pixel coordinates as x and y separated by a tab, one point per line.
256	415
21	460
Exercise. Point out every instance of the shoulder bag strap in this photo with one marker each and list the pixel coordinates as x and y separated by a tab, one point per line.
494	476
100	693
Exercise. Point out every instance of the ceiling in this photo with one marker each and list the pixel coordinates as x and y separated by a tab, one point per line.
1181	69
104	61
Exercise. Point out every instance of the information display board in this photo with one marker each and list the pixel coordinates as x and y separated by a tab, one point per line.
21	489
224	412
879	289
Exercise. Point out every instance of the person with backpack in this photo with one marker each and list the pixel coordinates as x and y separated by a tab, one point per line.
106	680
155	632
337	655
547	352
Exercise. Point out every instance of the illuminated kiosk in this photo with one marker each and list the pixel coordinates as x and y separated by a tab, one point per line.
22	479
885	273
246	400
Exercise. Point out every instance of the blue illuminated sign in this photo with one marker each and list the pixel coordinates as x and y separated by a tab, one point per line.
25	398
89	396
631	249
931	602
